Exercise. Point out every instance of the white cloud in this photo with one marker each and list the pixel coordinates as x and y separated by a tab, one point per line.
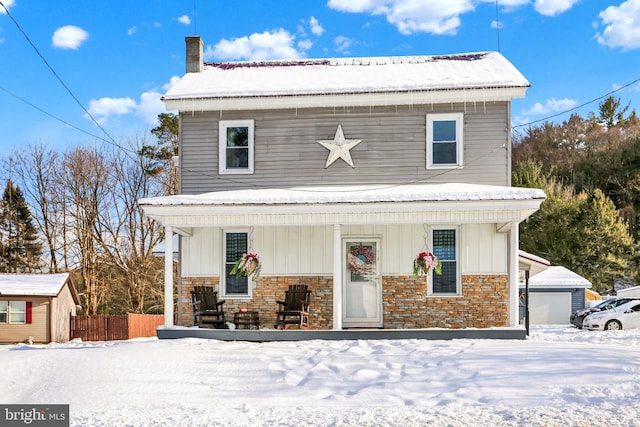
412	16
104	108
496	24
184	19
8	4
150	106
553	7
173	80
316	28
622	25
551	106
441	17
147	108
305	45
342	44
268	45
69	37
131	31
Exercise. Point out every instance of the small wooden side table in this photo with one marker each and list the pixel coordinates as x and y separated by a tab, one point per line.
246	320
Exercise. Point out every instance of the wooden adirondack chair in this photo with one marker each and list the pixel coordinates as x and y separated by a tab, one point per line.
207	310
294	310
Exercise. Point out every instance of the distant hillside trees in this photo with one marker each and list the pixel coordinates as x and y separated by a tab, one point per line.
85	206
590	169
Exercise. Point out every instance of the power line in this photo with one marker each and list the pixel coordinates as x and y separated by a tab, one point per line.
53	71
584	104
52	116
110	139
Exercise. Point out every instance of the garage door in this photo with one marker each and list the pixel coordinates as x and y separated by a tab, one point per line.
549	308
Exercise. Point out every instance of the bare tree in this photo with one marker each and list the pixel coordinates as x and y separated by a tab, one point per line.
35	170
85	180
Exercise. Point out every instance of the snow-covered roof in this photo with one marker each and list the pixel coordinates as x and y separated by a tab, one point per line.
32	284
482	71
353	194
558	277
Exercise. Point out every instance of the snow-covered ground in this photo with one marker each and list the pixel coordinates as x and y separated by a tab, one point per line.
561	376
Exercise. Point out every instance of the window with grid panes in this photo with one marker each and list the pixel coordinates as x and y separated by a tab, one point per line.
235	245
445	248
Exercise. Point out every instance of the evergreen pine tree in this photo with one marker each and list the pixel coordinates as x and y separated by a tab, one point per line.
20	249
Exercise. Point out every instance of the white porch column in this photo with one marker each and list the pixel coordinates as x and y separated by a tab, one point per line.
513	274
168	276
337	277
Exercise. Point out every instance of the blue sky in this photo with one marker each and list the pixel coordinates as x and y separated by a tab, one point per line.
117	58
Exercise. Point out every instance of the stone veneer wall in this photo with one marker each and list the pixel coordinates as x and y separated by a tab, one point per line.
484	302
266	291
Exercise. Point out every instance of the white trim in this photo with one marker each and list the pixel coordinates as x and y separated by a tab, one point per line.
458	292
223	271
459	119
168	276
337	277
466	96
223	125
12	310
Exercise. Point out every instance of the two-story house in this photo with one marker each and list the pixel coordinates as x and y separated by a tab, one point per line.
338	172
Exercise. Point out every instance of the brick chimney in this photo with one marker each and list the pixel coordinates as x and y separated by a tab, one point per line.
194	54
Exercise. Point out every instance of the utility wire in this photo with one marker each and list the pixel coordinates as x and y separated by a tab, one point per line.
53	116
584	104
53	71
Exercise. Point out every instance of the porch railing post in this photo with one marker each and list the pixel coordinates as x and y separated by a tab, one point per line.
337	277
168	276
513	275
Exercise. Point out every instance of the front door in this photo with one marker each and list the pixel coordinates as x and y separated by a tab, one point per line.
362	292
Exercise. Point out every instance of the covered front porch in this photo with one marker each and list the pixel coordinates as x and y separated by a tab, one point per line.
391	221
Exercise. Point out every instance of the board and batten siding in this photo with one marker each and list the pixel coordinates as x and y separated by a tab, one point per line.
393	147
301	251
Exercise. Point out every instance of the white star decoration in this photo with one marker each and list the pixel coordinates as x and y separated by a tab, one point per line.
339	147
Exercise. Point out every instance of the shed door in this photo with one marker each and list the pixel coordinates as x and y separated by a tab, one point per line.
549	308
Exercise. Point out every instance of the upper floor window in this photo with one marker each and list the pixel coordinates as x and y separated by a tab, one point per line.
445	247
444	140
236	146
236	243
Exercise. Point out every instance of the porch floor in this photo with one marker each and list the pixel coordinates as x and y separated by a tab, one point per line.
262	335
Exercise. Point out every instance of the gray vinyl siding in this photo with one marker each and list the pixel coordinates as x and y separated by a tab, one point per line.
392	148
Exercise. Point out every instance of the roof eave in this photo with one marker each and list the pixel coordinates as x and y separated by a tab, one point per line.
369	99
433	212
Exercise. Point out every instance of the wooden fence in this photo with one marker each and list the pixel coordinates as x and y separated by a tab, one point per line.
114	327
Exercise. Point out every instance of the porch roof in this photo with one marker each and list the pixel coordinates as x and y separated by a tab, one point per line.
379	204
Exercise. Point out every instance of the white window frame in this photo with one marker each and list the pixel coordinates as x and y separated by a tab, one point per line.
223	273
459	119
457	254
4	309
223	125
17	308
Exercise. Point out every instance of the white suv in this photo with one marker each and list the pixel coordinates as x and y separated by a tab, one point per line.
625	316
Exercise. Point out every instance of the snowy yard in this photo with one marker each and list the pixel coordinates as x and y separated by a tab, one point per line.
560	376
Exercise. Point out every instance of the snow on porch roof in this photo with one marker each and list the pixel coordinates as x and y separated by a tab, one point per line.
48	285
483	70
352	194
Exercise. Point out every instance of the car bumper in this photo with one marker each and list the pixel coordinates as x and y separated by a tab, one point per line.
593	326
